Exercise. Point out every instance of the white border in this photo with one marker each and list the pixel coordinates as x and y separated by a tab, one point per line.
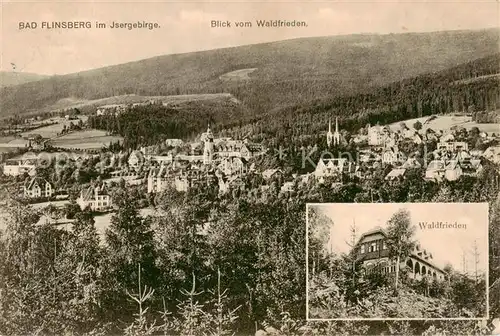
412	318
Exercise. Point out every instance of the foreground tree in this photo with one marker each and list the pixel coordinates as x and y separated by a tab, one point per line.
400	241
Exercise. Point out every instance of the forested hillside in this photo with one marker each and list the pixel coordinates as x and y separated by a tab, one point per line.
301	124
291	72
15	78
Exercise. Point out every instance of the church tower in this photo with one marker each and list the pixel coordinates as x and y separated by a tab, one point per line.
329	135
336	135
208	146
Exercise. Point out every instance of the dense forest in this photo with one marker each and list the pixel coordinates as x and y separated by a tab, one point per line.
425	95
201	264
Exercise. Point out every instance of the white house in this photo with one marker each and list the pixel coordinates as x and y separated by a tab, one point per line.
333	167
453	171
492	154
38	187
435	170
19	167
136	159
174	142
95	197
390	155
377	135
395	173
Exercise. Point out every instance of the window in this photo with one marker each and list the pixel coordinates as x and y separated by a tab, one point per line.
362	248
373	247
384	245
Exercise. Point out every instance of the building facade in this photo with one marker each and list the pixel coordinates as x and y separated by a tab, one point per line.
96	198
372	252
19	167
38	187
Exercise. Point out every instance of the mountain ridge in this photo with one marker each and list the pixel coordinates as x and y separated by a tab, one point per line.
287	71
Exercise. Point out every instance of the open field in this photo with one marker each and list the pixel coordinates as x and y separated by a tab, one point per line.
6	139
102	222
15	143
51	131
68	103
242	74
475	79
446	122
88	139
51	155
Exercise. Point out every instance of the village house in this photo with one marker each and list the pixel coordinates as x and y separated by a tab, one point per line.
97	198
136	159
174	142
471	167
377	135
233	166
114	109
181	179
19	167
38	187
148	150
391	140
453	171
288	186
228	183
395	173
435	170
391	155
333	168
271	173
372	251
159	160
236	148
492	154
452	146
411	162
417	139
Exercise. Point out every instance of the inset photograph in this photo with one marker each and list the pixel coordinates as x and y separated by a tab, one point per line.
380	261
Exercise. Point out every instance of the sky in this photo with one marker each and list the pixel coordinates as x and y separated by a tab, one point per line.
446	245
186	26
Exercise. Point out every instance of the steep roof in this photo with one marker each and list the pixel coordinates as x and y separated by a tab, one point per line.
36	180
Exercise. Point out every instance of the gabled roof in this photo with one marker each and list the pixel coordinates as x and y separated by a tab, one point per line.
36	180
373	231
436	164
395	173
268	173
90	193
452	164
411	163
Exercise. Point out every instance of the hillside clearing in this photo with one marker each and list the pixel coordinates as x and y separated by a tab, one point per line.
51	131
242	74
88	139
444	123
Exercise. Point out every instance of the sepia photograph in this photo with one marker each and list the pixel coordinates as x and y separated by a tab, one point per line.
395	260
249	167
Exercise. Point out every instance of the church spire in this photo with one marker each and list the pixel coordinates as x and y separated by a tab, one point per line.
336	135
329	135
